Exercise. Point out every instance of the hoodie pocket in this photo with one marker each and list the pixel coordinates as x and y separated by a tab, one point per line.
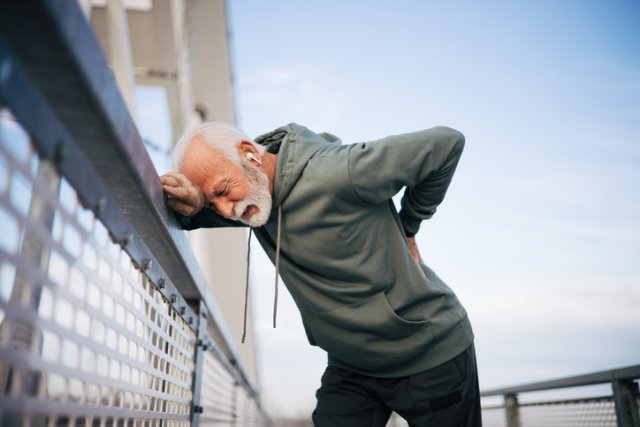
368	334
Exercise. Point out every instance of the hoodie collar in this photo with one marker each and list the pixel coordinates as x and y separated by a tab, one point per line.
294	145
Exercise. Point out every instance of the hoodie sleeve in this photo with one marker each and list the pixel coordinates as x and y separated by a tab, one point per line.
206	218
423	162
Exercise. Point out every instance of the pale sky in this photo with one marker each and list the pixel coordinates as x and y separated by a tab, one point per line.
539	234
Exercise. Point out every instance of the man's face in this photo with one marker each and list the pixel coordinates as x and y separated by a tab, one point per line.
236	191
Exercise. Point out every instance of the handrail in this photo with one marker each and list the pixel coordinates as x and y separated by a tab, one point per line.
54	43
624	402
625	373
55	79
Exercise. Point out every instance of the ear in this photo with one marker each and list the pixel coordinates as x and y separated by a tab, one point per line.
248	152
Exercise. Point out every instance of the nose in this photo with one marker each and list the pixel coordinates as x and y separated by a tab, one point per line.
224	207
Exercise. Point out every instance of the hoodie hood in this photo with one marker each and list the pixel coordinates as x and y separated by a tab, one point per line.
294	145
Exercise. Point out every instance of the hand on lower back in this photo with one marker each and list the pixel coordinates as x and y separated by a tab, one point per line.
413	249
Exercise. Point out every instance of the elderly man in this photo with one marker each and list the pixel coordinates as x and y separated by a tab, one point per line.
397	337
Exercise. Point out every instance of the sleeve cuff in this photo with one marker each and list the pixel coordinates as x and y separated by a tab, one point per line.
411	225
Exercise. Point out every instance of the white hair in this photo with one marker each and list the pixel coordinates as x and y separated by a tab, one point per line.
220	136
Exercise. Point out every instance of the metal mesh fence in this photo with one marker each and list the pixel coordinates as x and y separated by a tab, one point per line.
218	393
85	337
596	412
579	413
248	411
224	402
494	416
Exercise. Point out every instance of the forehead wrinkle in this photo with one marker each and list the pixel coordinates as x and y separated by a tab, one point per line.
199	159
207	167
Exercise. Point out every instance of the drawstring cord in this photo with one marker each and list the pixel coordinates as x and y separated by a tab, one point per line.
275	298
246	285
246	289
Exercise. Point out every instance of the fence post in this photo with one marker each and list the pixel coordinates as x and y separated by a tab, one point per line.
512	410
200	349
625	394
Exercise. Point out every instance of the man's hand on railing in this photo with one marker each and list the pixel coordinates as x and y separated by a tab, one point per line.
183	196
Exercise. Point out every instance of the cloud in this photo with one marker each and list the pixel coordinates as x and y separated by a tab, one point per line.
306	93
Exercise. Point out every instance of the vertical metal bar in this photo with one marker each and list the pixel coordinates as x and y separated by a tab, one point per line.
512	410
234	404
625	393
201	347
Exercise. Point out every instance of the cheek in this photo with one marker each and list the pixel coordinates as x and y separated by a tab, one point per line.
240	192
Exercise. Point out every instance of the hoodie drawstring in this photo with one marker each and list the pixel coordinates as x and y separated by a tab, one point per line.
246	289
275	298
246	286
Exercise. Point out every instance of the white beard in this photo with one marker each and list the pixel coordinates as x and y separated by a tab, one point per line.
259	196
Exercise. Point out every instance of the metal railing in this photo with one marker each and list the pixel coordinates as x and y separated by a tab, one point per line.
618	409
105	318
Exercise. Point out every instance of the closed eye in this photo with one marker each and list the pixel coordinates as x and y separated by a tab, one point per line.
224	191
221	191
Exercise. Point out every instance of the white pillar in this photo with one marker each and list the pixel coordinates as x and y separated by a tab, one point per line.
120	51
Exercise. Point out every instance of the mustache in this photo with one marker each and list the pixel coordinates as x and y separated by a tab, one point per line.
258	196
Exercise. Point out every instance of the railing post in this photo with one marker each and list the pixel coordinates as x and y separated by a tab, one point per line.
625	394
201	347
512	410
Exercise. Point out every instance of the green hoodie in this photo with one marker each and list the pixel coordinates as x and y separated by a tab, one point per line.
343	251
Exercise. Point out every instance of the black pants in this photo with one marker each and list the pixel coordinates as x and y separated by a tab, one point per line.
444	396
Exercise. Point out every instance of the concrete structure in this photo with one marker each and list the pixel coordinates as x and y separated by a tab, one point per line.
182	46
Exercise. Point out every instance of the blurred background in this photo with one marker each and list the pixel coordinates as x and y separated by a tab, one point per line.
539	234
